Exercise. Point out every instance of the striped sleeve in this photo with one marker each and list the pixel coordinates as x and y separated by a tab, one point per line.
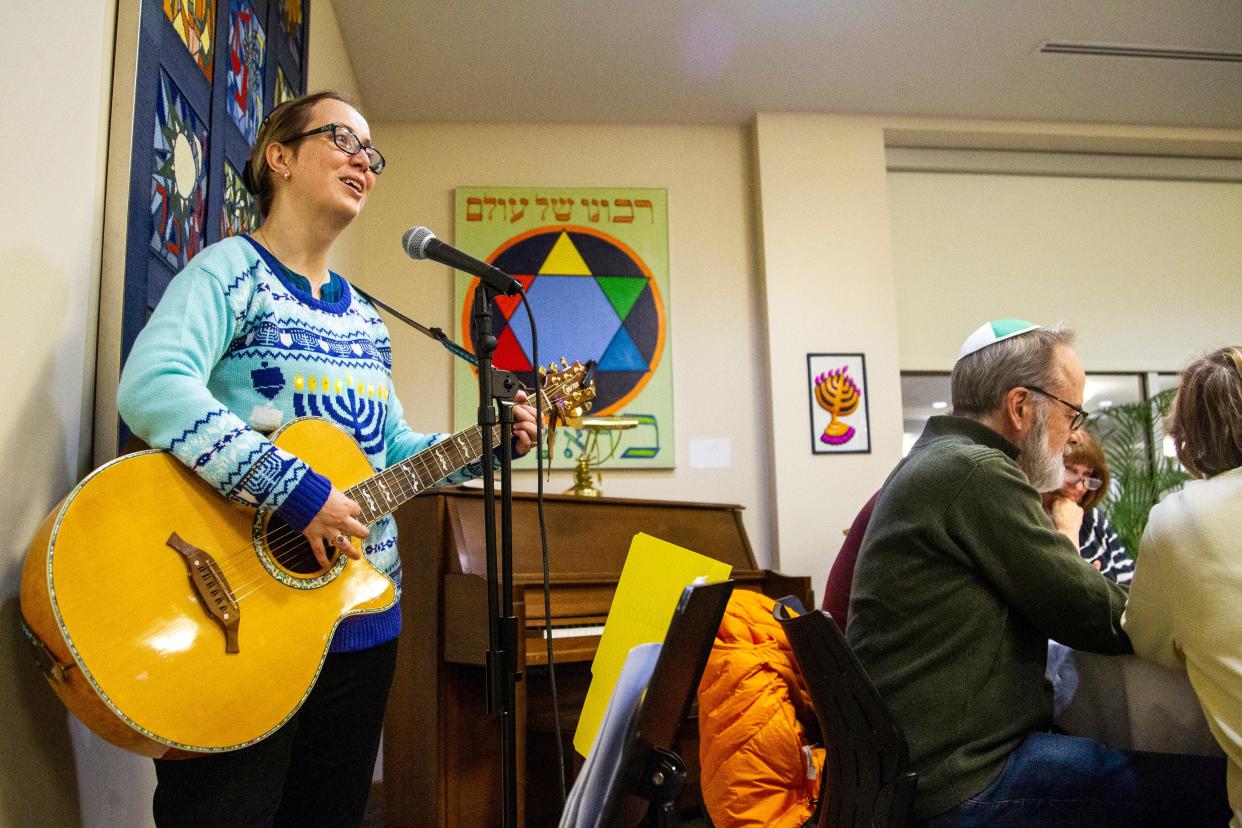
164	399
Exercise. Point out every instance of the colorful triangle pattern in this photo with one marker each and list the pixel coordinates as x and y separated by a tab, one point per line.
564	259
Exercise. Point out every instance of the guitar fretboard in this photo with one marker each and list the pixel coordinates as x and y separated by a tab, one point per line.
386	491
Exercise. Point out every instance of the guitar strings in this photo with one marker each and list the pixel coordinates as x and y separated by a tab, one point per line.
398	473
263	579
284	545
281	541
283	548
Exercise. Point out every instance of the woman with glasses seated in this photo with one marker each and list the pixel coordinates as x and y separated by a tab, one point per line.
255	332
1085	484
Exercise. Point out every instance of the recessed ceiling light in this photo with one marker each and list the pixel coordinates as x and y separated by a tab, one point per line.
940	404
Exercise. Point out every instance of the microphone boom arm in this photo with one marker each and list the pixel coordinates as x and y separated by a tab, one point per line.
437	334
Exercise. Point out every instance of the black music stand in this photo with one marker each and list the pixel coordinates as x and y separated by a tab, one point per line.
650	773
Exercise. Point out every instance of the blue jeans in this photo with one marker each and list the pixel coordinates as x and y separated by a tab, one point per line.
1057	780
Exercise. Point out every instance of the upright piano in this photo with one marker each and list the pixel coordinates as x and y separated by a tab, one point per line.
441	763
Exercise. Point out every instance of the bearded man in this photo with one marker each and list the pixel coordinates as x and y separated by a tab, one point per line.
962	579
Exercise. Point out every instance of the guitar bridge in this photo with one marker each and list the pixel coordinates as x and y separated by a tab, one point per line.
213	590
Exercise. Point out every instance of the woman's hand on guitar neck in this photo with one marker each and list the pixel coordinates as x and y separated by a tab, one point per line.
337	520
523	425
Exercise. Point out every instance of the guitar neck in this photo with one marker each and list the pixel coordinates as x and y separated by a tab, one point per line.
384	492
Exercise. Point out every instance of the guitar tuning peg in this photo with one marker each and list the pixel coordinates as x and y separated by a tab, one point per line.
564	364
542	370
551	367
587	406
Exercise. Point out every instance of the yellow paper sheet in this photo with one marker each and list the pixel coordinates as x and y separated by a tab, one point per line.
654	576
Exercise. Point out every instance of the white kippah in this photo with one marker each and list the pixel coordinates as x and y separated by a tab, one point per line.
989	333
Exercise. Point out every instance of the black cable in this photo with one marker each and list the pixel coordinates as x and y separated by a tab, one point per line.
543	542
458	351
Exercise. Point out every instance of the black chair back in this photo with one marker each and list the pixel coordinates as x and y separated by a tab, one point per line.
867	777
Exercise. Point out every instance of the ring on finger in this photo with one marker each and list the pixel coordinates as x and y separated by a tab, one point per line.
340	538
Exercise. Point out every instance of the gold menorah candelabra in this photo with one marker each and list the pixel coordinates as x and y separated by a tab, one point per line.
587	472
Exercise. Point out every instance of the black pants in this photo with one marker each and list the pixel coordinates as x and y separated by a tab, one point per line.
315	770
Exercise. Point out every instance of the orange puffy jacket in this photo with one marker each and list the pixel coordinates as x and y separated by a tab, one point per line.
751	699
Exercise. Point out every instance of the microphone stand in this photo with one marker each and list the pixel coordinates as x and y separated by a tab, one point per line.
502	674
495	388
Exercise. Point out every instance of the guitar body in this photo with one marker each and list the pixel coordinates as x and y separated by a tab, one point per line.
126	636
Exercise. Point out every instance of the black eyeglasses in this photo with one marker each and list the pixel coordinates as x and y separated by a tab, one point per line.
1080	415
1092	483
348	142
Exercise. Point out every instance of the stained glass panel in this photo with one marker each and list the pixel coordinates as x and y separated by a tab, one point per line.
291	17
241	209
179	177
195	22
246	61
284	92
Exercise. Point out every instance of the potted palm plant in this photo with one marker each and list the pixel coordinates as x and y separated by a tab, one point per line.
1141	474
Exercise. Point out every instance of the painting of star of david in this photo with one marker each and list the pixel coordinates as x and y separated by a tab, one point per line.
593	298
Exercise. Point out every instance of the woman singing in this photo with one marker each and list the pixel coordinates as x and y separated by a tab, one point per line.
239	339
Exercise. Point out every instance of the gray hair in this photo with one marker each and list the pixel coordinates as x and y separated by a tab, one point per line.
980	380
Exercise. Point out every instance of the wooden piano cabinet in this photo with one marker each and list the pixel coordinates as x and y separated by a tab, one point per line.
441	749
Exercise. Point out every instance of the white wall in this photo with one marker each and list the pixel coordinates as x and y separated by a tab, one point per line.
1149	272
717	339
330	68
828	287
50	243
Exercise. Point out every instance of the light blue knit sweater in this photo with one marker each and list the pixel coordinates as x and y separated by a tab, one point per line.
237	347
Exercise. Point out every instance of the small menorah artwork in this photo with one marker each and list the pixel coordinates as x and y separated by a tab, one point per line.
838	388
838	394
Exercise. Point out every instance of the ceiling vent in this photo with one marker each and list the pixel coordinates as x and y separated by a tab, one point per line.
1054	47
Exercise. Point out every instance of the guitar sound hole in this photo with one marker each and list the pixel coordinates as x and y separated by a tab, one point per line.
291	550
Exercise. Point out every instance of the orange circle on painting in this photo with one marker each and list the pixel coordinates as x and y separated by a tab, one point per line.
593	298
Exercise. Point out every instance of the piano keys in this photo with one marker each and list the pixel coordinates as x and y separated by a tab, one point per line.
441	761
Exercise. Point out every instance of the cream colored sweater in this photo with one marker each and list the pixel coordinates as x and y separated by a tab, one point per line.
1185	605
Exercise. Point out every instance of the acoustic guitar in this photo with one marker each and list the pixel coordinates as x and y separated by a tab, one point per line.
174	622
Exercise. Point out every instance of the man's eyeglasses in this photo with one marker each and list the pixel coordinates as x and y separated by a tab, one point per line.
1080	415
1092	483
348	142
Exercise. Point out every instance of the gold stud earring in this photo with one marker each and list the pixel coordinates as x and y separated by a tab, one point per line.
286	175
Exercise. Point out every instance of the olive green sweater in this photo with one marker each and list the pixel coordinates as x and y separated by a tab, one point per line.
961	581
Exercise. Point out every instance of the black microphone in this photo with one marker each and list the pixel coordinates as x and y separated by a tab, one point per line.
420	243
